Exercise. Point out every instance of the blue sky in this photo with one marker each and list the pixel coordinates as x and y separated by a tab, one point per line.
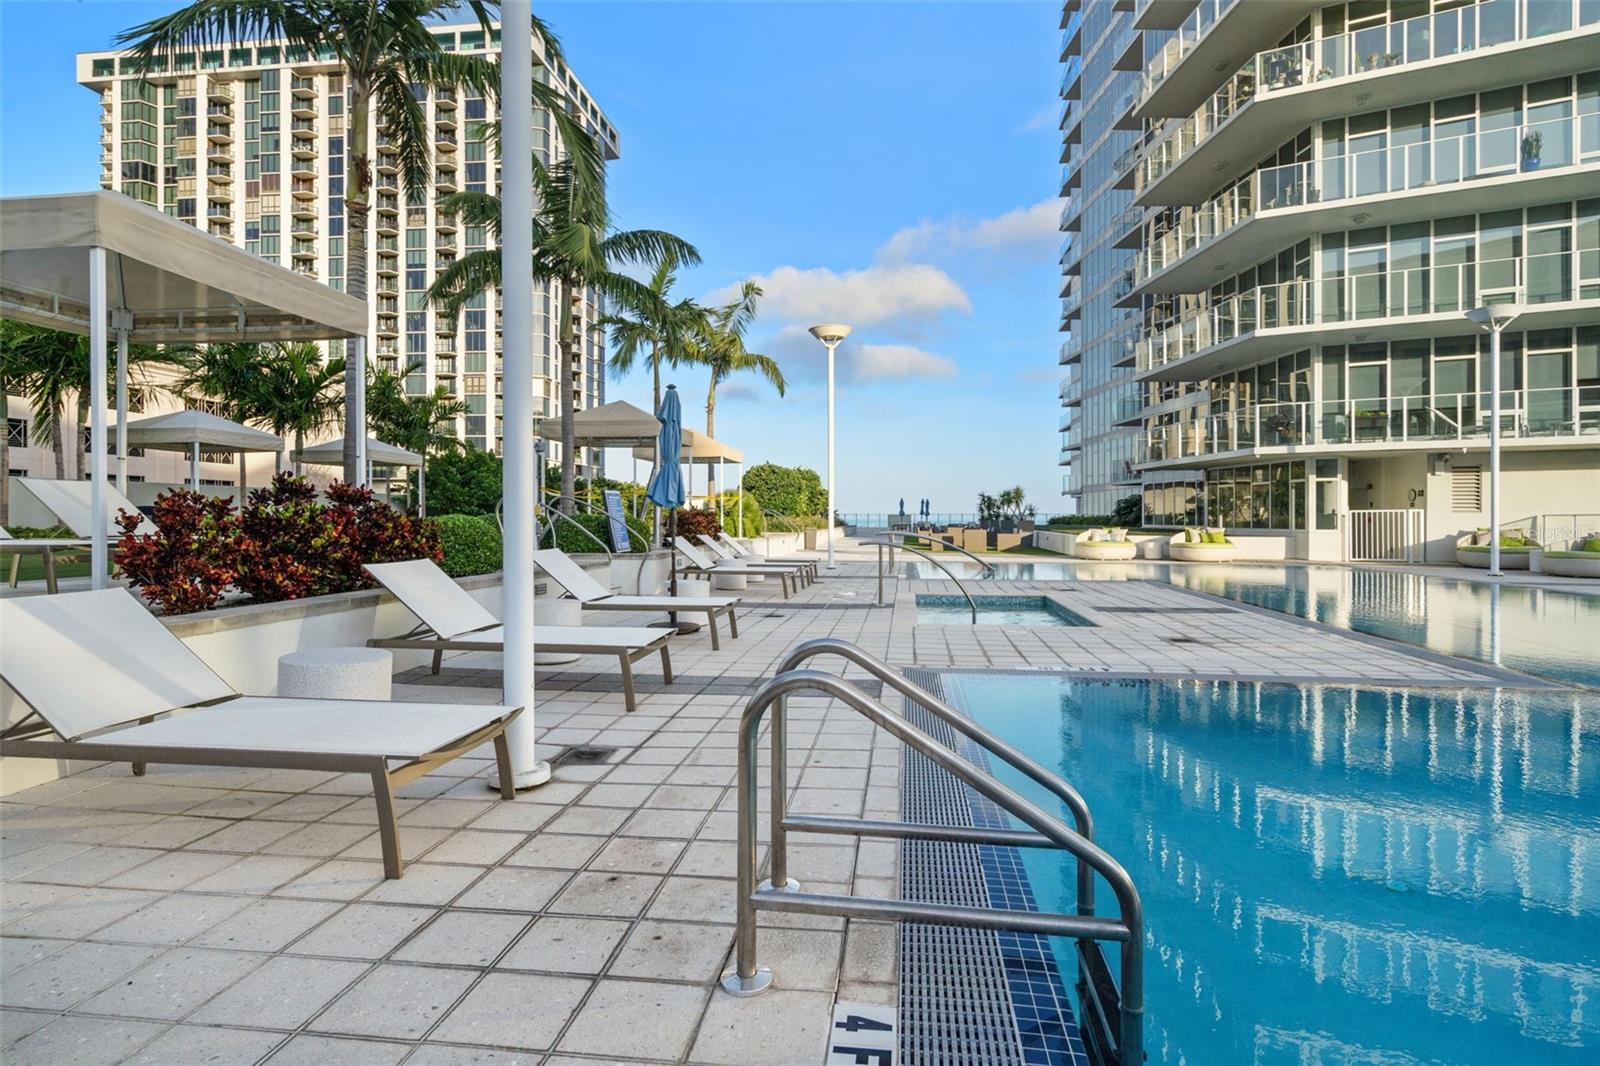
890	165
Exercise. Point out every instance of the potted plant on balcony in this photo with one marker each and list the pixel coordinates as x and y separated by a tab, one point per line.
1532	149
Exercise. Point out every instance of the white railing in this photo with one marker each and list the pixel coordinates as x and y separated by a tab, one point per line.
1558	531
1374	172
1446	33
1386	536
1195	28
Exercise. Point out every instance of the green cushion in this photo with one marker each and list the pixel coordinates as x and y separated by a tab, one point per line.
1504	549
1587	553
1590	544
1211	536
1191	535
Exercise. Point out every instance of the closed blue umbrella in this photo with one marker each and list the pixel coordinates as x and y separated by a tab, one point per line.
666	484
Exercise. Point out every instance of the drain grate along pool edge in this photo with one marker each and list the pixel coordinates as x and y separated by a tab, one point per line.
971	996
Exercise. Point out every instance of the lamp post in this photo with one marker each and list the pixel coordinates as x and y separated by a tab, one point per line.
830	334
1494	318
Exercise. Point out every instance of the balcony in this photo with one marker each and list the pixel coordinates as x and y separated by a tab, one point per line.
303	189
387	164
446	162
444	99
445	181
1516	166
386	145
303	249
304	227
303	107
303	209
446	222
388	326
219	192
220	132
386	225
303	128
303	149
302	88
219	112
303	168
387	267
224	230
224	214
305	267
1394	304
219	172
1218	35
1541	417
1284	90
219	151
1161	14
219	91
444	140
388	205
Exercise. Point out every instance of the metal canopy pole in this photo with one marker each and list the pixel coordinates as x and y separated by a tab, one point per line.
99	520
194	466
516	253
122	405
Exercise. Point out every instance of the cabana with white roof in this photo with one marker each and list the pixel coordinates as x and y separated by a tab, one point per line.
99	263
189	431
699	449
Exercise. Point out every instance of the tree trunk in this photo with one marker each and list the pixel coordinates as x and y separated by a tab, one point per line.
655	370
299	446
357	208
568	384
711	424
422	488
59	446
5	454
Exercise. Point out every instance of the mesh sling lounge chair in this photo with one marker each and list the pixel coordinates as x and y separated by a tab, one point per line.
596	597
703	565
750	555
50	548
797	572
98	672
451	620
69	501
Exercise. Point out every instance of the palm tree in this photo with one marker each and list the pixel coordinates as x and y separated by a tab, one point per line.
287	387
721	349
51	368
424	424
667	329
383	48
574	244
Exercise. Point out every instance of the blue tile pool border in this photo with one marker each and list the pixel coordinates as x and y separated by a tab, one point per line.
1042	604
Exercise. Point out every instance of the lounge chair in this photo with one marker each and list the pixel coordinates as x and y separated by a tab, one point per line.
750	555
1581	559
51	548
798	571
451	620
596	597
1202	546
1104	545
702	565
69	501
98	671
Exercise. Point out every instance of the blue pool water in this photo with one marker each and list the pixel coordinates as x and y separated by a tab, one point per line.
1331	876
996	611
1537	631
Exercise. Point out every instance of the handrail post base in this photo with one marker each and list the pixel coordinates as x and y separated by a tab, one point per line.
790	885
745	987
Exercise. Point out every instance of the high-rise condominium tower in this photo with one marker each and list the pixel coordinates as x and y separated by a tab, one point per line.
247	141
1281	213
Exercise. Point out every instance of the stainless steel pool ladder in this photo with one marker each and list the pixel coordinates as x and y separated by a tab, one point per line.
1111	1020
972	604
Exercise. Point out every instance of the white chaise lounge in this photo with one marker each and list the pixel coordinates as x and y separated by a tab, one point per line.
105	681
596	597
451	620
69	501
700	564
747	554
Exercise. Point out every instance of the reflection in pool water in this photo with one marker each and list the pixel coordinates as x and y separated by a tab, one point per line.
1334	876
1533	630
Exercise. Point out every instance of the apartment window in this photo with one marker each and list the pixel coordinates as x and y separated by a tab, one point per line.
17	432
1466	489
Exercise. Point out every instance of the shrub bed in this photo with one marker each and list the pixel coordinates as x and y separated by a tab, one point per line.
471	544
572	542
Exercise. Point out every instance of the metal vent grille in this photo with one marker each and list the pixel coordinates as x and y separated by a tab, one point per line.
1466	489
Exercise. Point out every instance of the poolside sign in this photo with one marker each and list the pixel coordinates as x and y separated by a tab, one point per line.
619	525
863	1035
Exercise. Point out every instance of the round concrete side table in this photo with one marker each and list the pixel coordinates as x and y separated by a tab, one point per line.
336	673
554	611
729	582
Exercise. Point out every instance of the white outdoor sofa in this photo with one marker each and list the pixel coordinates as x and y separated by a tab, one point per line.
1104	545
1201	551
105	681
451	620
593	596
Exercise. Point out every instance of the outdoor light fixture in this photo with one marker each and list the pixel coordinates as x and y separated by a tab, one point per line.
1494	318
830	334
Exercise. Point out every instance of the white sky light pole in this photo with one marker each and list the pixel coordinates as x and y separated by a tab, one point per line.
1494	318
830	334
516	253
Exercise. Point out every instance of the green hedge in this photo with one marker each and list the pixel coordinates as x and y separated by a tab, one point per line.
572	542
471	544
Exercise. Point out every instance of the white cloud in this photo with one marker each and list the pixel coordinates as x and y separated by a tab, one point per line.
1045	118
1023	229
878	295
879	362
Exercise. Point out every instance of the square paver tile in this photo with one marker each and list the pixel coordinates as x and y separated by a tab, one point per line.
606	894
282	994
661	1020
266	925
204	1044
514	1010
566	945
362	931
79	1041
675	951
173	984
778	1028
463	938
71	974
510	888
338	1051
401	1002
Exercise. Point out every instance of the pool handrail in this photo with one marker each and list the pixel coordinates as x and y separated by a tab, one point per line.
988	567
972	604
940	709
1116	1026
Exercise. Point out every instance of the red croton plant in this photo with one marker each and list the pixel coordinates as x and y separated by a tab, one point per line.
284	545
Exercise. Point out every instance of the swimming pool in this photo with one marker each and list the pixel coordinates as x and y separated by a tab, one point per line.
1537	631
996	611
1329	875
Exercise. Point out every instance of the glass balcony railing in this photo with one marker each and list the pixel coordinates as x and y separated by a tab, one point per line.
1378	172
1562	411
1379	294
1461	30
1200	22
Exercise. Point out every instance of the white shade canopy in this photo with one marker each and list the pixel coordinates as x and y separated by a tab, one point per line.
697	448
181	430
331	453
618	423
179	283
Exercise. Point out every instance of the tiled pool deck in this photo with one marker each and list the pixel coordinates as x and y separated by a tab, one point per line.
241	916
